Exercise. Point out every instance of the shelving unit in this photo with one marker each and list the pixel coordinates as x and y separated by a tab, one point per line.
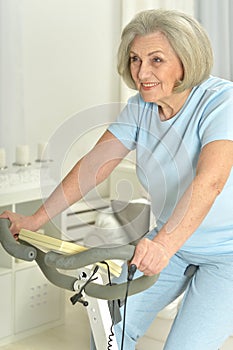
29	303
78	221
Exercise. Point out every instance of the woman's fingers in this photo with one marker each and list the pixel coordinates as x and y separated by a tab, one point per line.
150	257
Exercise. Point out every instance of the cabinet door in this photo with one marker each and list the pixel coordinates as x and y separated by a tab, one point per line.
5	305
37	301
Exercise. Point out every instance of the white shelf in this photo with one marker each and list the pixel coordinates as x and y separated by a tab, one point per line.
87	205
21	196
20	264
4	270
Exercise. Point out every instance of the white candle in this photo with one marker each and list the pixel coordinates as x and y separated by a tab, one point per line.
22	155
43	151
2	158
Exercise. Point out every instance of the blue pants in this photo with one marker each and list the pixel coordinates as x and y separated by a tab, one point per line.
205	318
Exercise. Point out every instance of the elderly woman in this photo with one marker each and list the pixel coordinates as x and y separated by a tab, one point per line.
181	125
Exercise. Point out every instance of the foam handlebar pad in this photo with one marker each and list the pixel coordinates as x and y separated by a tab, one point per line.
12	247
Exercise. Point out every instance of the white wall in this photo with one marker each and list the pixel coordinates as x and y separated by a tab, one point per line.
69	61
58	57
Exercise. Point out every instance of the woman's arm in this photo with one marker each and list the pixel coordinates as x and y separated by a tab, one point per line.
213	169
88	172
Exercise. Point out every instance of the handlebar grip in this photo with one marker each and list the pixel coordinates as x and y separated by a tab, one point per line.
12	247
88	257
117	291
95	255
57	278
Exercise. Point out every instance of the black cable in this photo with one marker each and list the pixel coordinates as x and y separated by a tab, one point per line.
131	271
124	316
78	296
111	335
108	270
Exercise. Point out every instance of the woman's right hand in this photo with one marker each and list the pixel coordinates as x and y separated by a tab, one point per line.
18	222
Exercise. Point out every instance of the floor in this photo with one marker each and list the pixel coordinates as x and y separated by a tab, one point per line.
67	336
71	337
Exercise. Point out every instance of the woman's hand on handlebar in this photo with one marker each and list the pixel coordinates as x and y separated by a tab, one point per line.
18	222
150	257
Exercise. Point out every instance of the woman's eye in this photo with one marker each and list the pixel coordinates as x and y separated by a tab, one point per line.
134	59
157	59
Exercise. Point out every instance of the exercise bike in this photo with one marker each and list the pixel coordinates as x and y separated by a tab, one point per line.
101	300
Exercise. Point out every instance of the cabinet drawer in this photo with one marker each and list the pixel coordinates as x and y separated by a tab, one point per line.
81	218
77	234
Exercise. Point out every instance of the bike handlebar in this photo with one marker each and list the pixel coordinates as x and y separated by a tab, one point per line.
13	247
51	261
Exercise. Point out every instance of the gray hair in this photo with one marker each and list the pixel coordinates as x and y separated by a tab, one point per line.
187	37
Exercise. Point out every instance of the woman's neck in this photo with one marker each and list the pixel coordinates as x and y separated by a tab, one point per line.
169	107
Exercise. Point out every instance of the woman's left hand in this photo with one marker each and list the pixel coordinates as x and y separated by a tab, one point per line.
150	257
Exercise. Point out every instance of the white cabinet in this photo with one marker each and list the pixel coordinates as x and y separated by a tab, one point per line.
29	303
36	298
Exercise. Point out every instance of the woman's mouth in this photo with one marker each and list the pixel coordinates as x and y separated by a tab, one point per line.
148	86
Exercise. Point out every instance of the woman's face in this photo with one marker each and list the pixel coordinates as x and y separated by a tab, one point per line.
155	67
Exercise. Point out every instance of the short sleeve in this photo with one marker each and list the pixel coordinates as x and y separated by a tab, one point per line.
125	128
217	119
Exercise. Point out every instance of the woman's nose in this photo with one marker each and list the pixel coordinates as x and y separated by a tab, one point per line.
144	71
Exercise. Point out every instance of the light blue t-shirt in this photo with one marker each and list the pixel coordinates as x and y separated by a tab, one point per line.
167	153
